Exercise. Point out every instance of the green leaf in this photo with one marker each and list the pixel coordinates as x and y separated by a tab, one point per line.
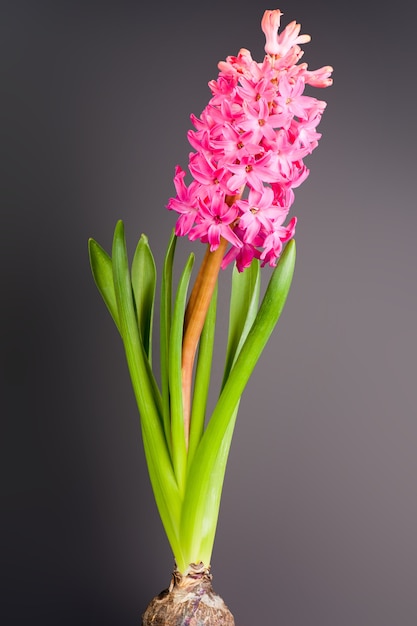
200	510
259	333
165	330
158	459
101	267
244	302
179	449
144	284
200	507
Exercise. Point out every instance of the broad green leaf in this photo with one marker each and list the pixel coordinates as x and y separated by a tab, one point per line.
199	515
179	450
244	302
101	267
144	284
158	459
197	534
202	378
165	329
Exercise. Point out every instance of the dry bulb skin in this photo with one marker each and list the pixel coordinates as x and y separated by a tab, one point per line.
189	601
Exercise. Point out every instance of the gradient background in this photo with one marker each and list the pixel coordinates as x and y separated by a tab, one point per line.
318	524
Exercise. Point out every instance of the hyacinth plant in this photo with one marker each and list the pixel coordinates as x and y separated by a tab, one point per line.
248	147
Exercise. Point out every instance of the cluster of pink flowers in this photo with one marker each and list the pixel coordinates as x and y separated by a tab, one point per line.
249	144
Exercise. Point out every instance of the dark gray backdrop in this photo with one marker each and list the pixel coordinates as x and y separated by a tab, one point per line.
319	516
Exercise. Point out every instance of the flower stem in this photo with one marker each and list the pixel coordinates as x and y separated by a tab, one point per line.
195	316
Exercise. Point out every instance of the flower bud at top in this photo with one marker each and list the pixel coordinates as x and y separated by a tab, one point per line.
270	24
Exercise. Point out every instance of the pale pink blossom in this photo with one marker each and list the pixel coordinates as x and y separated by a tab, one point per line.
320	77
270	24
252	90
259	122
234	66
290	38
291	98
223	87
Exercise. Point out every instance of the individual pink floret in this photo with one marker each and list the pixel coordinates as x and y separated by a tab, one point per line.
186	203
214	221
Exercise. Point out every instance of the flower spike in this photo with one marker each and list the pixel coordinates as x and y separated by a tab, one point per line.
250	141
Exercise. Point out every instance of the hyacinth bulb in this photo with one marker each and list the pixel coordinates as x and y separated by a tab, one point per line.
189	601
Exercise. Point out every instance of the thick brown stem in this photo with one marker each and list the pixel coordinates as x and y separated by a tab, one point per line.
194	321
195	317
196	288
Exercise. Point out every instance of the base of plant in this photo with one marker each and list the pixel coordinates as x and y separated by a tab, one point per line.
189	601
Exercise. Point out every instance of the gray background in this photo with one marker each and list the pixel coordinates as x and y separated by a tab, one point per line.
318	522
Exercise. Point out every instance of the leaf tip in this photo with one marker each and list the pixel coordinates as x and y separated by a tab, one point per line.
120	227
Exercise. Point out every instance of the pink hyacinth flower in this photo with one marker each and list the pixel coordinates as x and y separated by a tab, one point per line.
186	203
214	221
249	144
270	24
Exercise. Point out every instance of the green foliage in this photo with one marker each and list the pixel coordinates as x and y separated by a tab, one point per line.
179	452
144	285
187	483
102	269
202	378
